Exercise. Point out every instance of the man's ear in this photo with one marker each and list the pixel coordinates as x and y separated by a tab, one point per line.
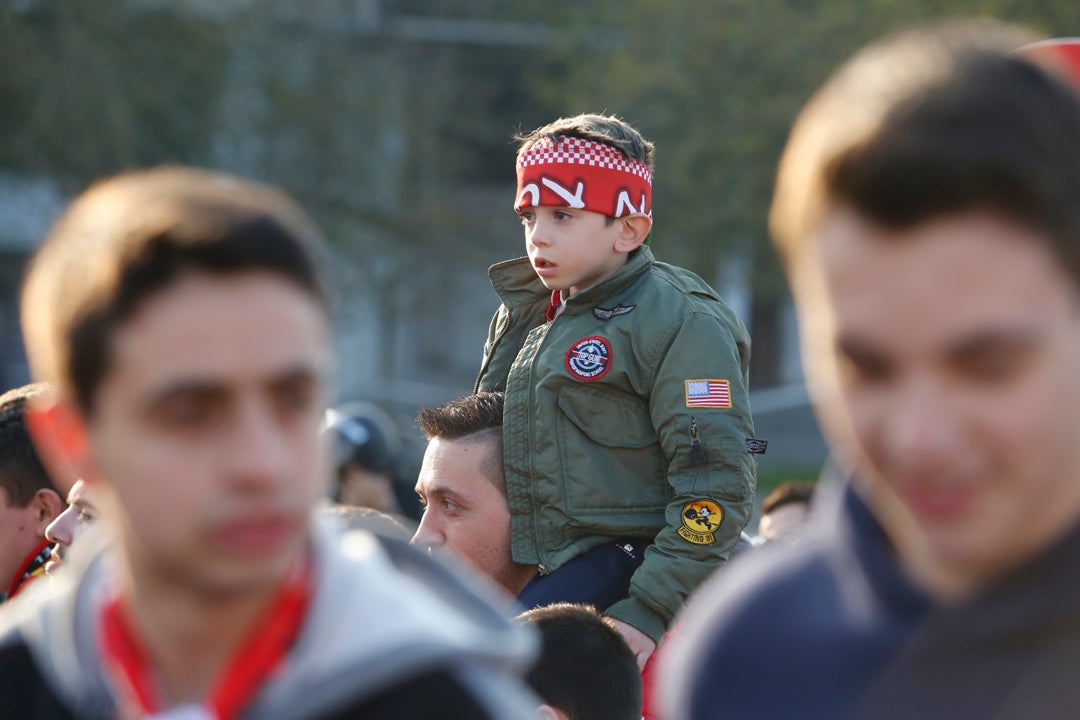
633	229
60	436
46	504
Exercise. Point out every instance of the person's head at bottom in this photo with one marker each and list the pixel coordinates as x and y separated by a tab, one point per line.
585	671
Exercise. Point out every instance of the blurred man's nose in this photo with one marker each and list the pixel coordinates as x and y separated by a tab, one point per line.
260	445
920	428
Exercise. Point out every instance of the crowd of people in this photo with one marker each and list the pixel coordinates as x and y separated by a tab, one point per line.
232	549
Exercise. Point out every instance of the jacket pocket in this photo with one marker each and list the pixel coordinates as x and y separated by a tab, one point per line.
611	460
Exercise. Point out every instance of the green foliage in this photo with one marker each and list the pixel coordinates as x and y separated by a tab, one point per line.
717	83
392	120
91	87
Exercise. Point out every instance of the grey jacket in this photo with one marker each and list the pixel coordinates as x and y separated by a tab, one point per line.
383	616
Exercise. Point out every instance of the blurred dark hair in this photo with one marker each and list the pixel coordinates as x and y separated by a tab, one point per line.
21	471
129	237
935	122
585	667
786	493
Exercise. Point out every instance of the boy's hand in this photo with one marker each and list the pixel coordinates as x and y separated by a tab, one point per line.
640	643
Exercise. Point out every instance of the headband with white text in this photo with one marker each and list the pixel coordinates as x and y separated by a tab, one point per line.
583	174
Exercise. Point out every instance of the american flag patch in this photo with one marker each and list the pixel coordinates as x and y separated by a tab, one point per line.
708	393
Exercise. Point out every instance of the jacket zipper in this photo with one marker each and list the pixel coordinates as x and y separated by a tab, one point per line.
697	452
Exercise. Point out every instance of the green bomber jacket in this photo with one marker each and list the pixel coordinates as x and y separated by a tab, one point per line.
626	417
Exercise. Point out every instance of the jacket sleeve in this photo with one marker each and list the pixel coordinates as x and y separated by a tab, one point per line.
700	407
488	378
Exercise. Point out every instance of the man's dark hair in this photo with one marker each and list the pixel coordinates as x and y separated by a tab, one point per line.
21	471
131	236
937	122
473	417
787	493
585	667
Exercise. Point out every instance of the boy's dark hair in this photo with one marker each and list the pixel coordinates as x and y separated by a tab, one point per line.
21	471
936	122
129	237
786	493
585	667
476	417
606	129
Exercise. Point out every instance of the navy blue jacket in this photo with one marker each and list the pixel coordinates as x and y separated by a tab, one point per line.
833	629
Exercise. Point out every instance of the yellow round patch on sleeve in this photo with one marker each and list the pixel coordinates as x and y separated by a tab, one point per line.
700	518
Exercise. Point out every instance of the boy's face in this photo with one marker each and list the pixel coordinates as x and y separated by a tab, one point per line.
571	249
205	428
944	359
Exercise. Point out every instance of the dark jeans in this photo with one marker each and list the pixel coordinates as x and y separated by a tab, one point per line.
599	577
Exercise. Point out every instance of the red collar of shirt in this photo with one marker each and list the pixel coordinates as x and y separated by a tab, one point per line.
261	652
32	567
554	305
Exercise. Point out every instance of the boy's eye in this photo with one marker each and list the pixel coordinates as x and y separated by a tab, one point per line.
526	217
560	215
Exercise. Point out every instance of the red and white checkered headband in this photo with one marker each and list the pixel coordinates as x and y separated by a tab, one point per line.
583	174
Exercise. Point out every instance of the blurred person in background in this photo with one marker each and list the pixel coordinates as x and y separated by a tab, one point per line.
29	500
82	510
181	321
366	461
926	212
784	511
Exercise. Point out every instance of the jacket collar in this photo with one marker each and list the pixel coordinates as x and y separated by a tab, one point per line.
517	284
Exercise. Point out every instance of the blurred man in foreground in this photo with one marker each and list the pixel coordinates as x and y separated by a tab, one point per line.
926	211
180	316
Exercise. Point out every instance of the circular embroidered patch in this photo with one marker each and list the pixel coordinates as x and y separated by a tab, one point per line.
699	519
589	358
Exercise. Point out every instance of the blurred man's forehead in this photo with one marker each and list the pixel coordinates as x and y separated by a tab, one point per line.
208	332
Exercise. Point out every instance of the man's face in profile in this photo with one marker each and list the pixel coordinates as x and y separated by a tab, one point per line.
464	512
944	358
205	427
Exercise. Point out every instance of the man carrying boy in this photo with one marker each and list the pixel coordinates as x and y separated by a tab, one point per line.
926	212
180	316
463	490
627	416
